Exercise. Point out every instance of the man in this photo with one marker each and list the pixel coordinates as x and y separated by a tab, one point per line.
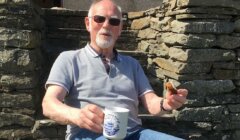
82	82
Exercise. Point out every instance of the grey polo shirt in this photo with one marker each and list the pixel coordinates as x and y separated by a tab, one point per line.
83	75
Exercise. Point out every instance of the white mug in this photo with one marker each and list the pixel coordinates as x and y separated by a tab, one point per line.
115	123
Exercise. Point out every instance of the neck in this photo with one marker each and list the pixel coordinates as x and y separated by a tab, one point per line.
107	53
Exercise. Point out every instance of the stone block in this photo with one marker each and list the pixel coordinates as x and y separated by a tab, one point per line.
8	119
161	25
19	38
134	15
21	22
160	50
202	16
234	108
222	74
206	3
161	73
11	134
237	26
189	40
141	23
18	82
201	27
201	55
147	34
17	100
203	114
48	129
228	42
204	10
182	68
15	60
209	87
235	116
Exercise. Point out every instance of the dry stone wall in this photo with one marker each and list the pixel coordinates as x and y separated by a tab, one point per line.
20	67
194	44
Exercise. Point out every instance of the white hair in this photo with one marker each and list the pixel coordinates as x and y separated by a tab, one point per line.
96	1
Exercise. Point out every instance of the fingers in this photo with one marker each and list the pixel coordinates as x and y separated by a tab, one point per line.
175	101
91	118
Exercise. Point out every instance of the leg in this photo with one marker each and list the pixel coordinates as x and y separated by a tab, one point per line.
148	134
84	134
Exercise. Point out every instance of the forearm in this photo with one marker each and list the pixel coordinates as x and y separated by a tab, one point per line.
57	111
152	103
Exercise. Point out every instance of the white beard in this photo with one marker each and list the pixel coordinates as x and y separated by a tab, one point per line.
104	43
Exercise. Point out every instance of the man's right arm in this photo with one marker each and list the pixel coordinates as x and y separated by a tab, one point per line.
89	117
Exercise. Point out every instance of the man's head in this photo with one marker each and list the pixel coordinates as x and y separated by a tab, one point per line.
104	22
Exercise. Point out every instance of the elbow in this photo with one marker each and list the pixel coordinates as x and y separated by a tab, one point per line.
45	108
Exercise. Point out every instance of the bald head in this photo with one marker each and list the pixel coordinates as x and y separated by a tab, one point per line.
95	2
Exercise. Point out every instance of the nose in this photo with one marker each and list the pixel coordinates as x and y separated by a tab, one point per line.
106	23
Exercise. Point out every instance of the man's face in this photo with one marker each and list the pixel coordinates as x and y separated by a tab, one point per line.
104	24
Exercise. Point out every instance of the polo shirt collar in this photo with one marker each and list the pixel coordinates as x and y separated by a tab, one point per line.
95	54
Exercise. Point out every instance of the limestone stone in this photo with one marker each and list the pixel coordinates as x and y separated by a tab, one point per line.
7	119
227	125
161	73
202	16
226	98
160	50
147	33
235	117
19	38
21	22
228	42
16	2
212	3
16	101
216	27
237	26
133	15
203	10
48	128
209	87
161	25
183	68
16	60
227	65
17	82
226	74
189	40
201	55
234	108
205	114
24	111
21	133
141	23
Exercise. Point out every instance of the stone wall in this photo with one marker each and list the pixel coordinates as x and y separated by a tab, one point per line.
127	5
21	29
194	44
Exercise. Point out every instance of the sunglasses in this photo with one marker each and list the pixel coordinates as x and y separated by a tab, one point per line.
111	21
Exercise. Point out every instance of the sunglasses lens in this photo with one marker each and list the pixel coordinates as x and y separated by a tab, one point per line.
114	21
99	19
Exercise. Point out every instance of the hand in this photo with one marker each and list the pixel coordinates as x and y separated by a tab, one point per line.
175	101
90	117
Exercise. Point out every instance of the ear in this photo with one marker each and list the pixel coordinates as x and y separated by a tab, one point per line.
87	24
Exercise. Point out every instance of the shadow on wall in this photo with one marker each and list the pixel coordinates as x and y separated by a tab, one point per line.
127	5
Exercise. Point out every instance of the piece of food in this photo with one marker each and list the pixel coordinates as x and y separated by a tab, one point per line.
170	87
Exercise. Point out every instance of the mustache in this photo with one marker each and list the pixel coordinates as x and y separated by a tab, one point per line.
105	31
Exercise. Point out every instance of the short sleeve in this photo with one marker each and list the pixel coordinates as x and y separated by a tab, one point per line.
61	72
142	83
